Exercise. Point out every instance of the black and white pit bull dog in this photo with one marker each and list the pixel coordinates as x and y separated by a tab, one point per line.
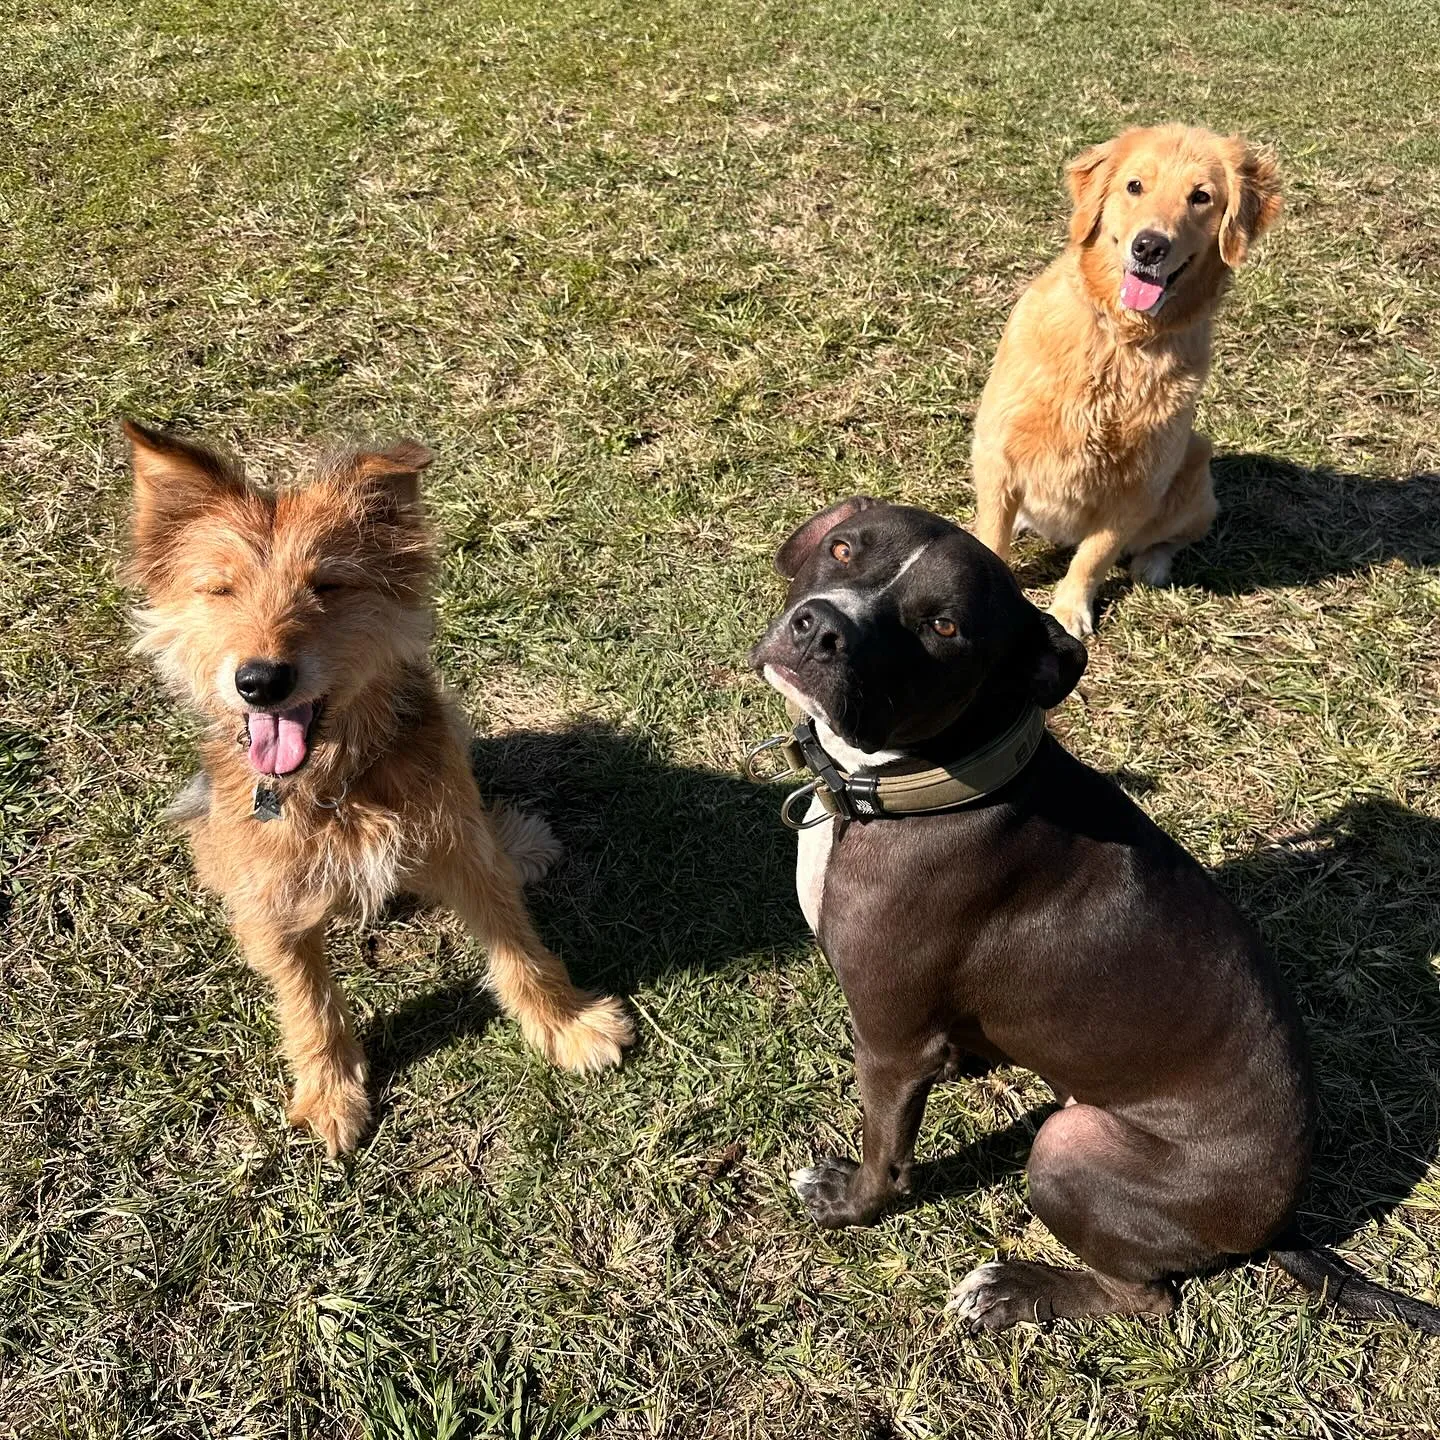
1039	920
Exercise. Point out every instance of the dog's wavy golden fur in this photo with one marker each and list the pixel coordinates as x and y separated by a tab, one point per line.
328	585
1084	432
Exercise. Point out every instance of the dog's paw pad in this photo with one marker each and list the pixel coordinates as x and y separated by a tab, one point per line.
991	1297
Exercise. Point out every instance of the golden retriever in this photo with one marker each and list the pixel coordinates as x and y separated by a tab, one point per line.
336	772
1084	432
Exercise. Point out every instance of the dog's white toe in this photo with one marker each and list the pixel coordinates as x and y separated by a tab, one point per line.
803	1181
964	1299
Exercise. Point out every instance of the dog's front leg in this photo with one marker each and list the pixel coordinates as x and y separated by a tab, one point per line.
837	1191
328	1064
1073	603
571	1028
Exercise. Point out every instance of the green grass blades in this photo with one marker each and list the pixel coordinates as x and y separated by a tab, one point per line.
655	280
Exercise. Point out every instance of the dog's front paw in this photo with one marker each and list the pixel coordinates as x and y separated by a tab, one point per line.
1076	616
337	1109
997	1296
828	1192
593	1037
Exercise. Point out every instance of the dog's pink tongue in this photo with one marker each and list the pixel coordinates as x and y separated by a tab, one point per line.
277	742
1138	294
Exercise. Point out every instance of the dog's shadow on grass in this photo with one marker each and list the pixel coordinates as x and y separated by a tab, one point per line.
1285	524
1351	911
666	868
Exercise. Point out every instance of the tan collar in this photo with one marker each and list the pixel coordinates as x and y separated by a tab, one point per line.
891	791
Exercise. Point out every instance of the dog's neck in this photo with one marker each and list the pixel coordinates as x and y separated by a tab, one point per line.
848	756
988	716
983	720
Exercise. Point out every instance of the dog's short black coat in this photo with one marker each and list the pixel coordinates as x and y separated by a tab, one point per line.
1052	925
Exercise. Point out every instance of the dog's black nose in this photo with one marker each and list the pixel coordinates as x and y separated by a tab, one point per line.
264	682
1150	247
815	628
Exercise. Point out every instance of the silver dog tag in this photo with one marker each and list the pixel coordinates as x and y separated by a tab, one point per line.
267	803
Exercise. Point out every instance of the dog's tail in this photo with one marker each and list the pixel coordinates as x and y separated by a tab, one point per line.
527	840
1324	1272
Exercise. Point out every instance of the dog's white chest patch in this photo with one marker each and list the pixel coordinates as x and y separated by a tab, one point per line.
816	842
814	856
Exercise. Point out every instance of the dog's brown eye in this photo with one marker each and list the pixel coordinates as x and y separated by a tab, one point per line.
1199	197
1135	187
217	588
841	551
945	629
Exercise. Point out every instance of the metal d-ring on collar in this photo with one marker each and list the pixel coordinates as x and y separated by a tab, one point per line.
891	792
801	750
333	802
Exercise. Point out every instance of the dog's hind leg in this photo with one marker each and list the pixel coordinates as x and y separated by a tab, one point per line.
328	1064
1185	516
1119	1198
997	503
570	1027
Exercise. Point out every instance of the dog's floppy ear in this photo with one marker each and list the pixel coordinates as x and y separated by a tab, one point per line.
1253	180
791	557
1059	663
175	481
389	477
1088	176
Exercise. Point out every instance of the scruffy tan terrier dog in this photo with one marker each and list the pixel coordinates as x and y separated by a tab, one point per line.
335	772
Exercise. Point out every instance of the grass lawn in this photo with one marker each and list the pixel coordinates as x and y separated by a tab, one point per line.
655	280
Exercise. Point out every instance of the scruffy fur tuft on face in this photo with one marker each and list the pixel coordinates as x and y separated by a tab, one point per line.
336	773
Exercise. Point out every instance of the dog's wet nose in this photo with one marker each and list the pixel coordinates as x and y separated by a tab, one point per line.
815	628
264	682
1150	247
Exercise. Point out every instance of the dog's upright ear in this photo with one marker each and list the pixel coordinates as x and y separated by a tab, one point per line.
1253	203
1059	663
791	557
1088	176
387	479
175	481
